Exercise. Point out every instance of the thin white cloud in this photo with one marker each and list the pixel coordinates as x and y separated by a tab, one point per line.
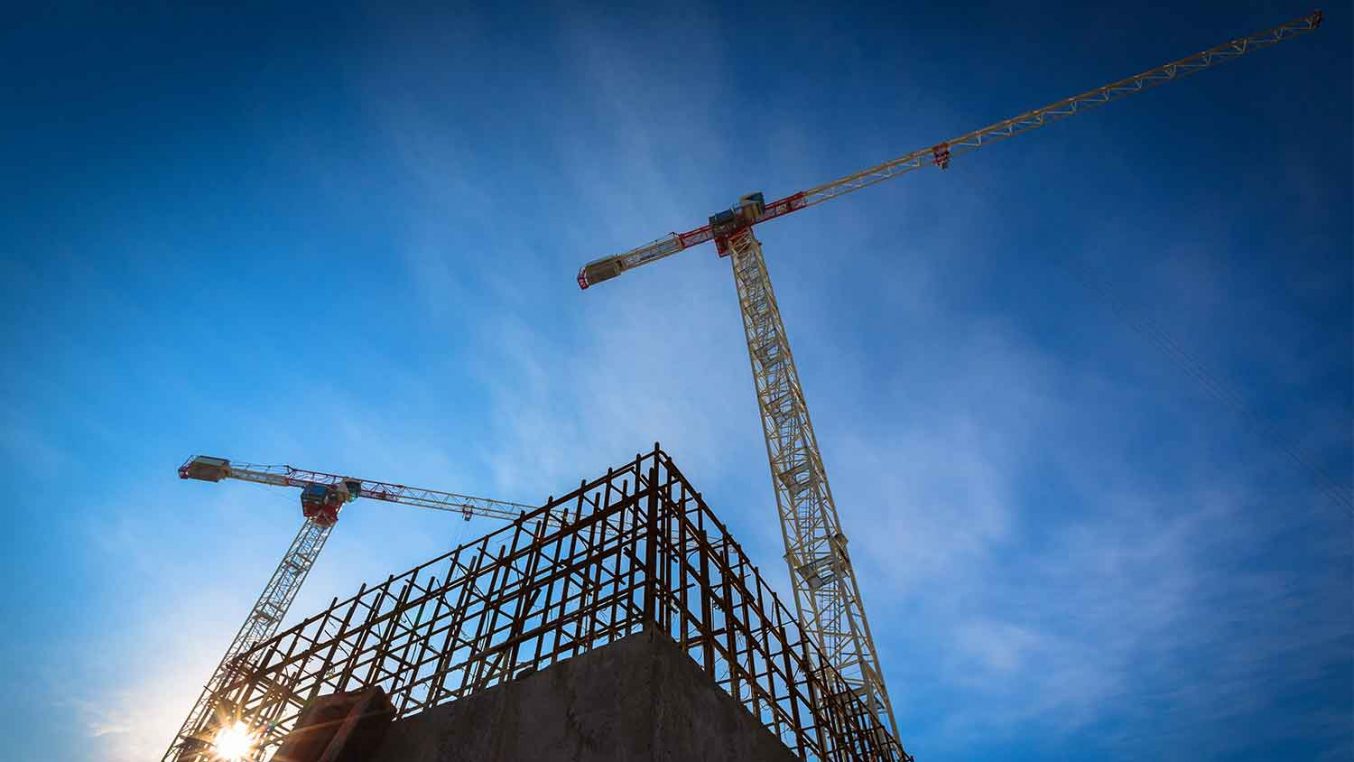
1042	618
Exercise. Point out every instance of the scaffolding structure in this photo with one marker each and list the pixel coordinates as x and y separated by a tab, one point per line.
635	548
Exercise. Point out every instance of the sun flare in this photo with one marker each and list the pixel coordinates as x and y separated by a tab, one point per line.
234	743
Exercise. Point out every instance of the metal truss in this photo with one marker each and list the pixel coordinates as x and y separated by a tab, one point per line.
1053	112
262	623
941	153
824	582
290	476
637	548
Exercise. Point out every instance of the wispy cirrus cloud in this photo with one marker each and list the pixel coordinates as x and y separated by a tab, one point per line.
1044	552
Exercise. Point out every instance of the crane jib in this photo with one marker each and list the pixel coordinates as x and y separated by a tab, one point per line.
940	154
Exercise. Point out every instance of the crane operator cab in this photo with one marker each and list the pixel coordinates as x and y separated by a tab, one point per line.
747	211
321	502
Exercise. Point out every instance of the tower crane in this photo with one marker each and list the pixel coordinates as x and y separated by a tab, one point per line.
826	594
322	497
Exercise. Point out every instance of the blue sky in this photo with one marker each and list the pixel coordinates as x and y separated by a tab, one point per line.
346	239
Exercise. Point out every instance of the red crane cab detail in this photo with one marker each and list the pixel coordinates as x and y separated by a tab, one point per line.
744	214
321	504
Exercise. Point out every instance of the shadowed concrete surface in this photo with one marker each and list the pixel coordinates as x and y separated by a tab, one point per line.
640	698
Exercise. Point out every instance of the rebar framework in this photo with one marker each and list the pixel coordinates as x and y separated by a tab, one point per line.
635	548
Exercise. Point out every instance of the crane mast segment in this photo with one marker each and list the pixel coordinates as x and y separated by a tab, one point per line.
195	735
825	590
941	153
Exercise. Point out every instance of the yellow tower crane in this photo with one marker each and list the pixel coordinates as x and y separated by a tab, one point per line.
826	594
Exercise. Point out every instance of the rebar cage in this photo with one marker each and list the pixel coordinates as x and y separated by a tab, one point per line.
637	547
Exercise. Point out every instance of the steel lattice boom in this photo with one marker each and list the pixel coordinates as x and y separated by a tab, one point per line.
827	595
322	496
941	153
215	469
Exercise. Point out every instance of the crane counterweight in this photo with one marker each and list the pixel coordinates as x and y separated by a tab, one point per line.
205	468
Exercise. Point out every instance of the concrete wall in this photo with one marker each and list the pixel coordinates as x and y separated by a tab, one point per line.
640	698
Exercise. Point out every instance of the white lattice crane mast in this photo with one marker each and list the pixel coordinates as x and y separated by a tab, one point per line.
322	497
825	590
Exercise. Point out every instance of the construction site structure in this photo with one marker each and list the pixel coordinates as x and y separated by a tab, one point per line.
634	552
826	593
322	497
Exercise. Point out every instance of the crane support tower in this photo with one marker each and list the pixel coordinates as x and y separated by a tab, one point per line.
826	593
322	497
